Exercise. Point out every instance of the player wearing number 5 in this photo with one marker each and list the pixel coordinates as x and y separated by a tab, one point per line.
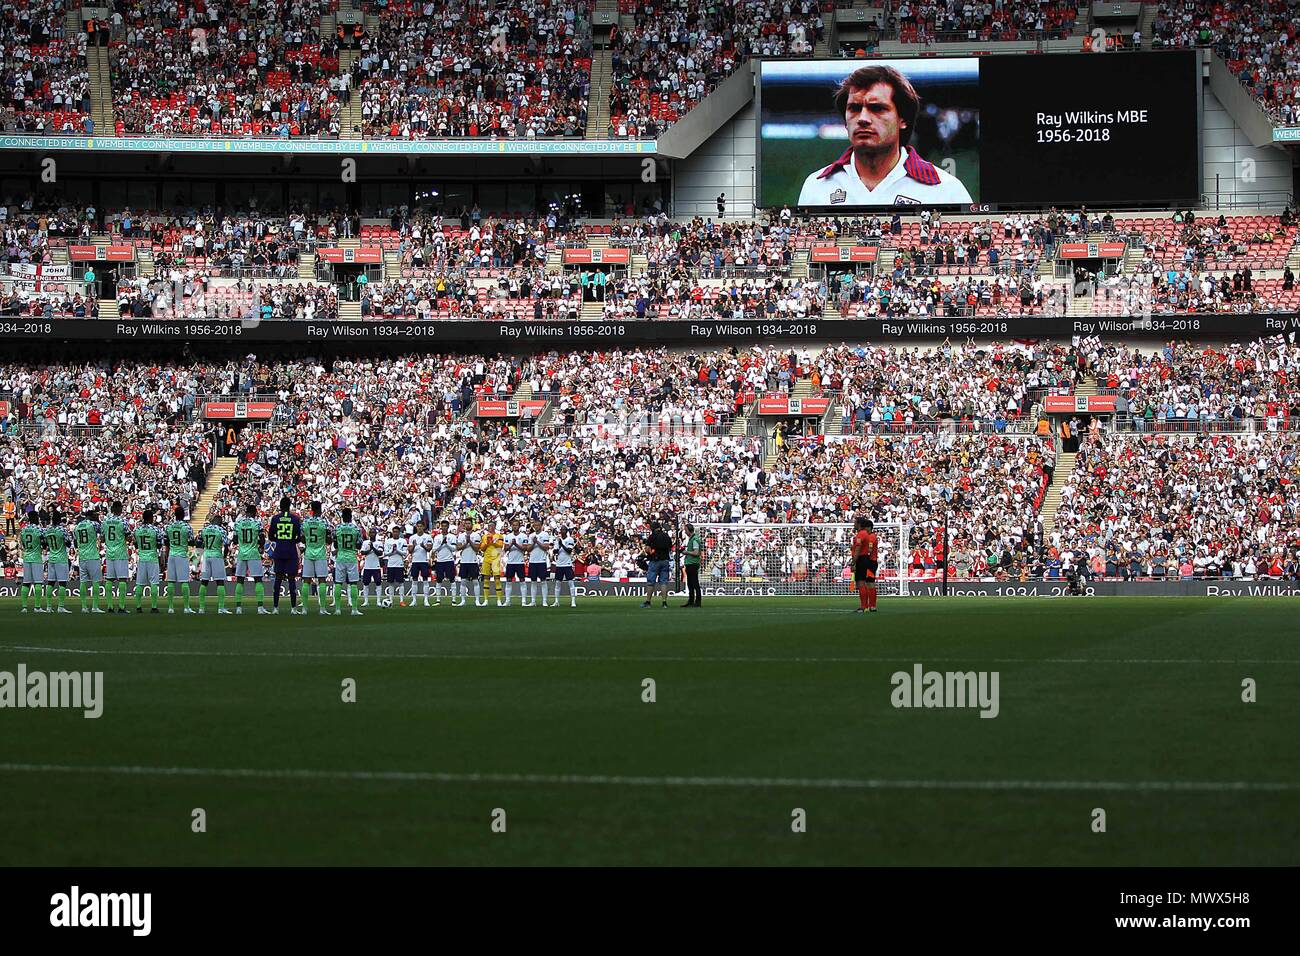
879	106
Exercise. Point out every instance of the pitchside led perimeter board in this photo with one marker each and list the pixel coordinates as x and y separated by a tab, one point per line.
989	131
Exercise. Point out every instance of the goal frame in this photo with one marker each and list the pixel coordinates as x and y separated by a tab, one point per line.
725	540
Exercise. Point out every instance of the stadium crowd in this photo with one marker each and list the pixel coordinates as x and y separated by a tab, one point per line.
44	82
1168	506
677	51
223	68
631	433
437	68
1256	40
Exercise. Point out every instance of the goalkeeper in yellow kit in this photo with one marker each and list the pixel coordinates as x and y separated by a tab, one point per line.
492	546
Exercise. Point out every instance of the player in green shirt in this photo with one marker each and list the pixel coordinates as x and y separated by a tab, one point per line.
213	540
347	539
58	573
32	540
115	533
85	535
315	556
148	539
179	536
250	541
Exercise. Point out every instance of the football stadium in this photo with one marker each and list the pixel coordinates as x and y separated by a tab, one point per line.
623	432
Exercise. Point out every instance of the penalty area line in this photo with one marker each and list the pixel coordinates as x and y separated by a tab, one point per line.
615	780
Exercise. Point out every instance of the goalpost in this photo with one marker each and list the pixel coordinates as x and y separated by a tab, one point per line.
797	559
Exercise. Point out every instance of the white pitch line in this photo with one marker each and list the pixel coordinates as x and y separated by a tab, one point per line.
596	659
557	779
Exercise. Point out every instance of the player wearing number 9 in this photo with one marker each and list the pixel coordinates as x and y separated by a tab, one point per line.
880	106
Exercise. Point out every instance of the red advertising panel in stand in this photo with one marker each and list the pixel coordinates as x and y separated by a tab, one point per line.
1091	250
1066	404
508	408
367	255
843	254
239	410
785	406
617	257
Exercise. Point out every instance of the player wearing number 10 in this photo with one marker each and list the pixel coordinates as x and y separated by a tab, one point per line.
56	546
249	539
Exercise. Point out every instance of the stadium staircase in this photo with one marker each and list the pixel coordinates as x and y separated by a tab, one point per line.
1064	468
1293	259
598	97
1146	18
392	265
101	90
740	424
350	115
108	309
349	311
221	469
1078	305
144	264
1132	258
1052	499
799	267
307	265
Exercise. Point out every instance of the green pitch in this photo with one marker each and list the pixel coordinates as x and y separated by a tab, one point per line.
1133	706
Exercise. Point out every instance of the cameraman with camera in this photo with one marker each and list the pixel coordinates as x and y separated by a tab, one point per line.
657	566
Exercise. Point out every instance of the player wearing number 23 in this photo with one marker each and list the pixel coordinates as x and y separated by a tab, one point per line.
880	106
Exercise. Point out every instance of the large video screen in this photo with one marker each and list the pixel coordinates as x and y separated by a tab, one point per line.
1101	129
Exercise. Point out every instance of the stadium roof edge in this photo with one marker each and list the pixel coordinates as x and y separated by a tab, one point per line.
332	147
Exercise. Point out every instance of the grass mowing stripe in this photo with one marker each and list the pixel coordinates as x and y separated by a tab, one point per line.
542	658
813	783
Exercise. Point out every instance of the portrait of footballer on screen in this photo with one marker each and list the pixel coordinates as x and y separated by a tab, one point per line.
893	140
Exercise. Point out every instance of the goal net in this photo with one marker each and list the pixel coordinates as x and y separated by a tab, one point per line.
797	559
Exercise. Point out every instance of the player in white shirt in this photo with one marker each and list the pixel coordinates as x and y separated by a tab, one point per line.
371	550
879	108
395	550
540	543
421	555
516	545
444	558
565	546
469	543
